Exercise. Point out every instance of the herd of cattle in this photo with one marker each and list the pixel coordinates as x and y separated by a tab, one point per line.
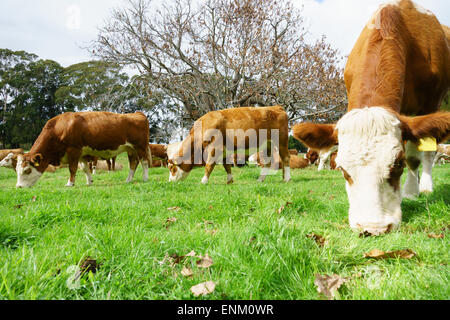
396	77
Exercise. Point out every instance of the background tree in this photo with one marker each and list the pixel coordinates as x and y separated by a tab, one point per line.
225	53
28	87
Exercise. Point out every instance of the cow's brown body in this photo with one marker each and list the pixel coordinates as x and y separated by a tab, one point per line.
239	119
159	155
72	137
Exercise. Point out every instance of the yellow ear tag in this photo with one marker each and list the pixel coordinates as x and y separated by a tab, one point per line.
427	144
36	164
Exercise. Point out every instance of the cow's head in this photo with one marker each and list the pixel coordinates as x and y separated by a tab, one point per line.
178	169
29	169
9	161
371	157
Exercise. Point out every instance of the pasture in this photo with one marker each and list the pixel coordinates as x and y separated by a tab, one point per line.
255	234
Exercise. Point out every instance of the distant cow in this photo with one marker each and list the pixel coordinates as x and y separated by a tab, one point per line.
442	154
10	161
110	162
396	77
326	158
74	137
293	152
8	157
296	162
247	124
159	155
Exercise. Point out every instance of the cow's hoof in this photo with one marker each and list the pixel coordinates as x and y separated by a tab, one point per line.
230	182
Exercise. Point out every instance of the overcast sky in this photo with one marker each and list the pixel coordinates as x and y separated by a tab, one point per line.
56	29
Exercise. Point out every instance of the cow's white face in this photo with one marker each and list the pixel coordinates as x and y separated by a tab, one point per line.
176	173
27	174
371	157
7	162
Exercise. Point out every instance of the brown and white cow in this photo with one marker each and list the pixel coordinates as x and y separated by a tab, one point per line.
8	157
73	137
442	154
295	162
218	135
94	164
398	68
159	154
326	157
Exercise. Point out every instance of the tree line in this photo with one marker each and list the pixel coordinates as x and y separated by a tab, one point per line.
187	58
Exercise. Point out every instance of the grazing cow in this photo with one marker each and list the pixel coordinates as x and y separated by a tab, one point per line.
442	154
10	161
159	155
237	128
325	156
399	67
73	137
8	157
110	162
296	162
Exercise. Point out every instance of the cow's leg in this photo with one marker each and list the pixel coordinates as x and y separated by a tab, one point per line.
285	157
228	170
87	172
426	181
113	163
210	164
134	161
265	162
94	165
144	163
413	156
108	163
73	156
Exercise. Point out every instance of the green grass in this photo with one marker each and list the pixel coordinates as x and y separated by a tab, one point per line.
258	253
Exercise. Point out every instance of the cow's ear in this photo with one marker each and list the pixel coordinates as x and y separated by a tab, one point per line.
36	159
436	125
316	136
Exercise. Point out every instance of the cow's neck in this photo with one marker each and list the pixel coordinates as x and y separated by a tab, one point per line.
187	147
381	75
48	148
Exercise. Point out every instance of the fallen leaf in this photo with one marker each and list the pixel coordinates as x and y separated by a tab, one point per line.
205	262
281	209
328	285
203	288
211	207
252	239
170	221
18	206
34	199
89	264
187	272
174	209
176	259
191	254
321	241
436	236
379	254
212	232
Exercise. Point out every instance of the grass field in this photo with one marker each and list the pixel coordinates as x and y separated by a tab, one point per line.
258	251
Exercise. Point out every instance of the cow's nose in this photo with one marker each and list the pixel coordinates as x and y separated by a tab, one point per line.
18	187
376	231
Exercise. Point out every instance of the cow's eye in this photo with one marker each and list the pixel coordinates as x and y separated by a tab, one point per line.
27	171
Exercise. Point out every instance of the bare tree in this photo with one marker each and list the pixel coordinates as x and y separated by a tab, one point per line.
225	53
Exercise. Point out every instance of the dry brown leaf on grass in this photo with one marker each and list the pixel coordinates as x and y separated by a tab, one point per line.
187	272
212	232
379	254
203	288
205	262
170	221
436	236
33	199
328	285
321	241
174	209
281	209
